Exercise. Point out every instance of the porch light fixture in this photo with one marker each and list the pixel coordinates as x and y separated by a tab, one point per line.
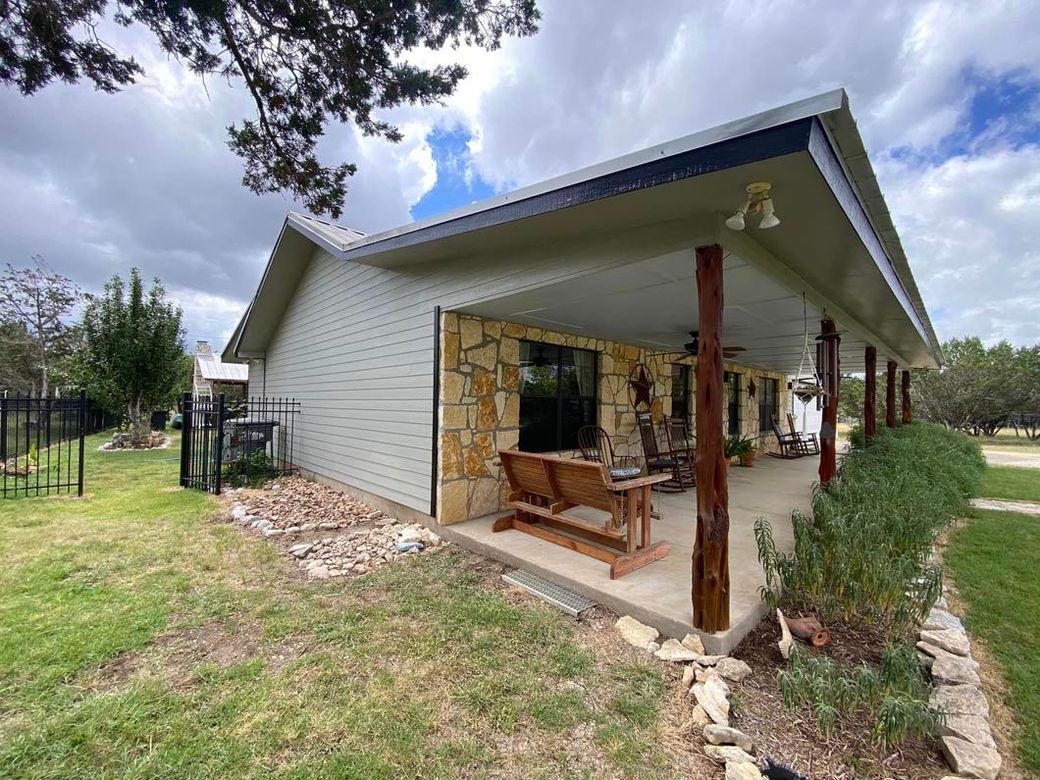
759	201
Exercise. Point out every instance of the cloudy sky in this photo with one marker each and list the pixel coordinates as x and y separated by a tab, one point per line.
947	96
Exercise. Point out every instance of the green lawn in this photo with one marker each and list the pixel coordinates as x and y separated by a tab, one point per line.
1009	482
140	639
1007	438
994	561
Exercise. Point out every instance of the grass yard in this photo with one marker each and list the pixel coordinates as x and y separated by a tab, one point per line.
139	638
1019	484
1007	438
994	560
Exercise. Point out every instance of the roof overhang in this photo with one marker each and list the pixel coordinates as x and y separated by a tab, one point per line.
836	242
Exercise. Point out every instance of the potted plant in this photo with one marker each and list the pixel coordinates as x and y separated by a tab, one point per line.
741	447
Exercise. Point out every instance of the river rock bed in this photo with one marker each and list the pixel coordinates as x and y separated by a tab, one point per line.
364	549
298	503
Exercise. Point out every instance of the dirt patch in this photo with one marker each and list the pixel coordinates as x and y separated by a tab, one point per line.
182	651
116	673
793	736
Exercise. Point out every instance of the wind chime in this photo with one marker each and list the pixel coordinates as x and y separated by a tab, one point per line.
806	385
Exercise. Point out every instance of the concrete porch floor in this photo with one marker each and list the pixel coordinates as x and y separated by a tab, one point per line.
659	594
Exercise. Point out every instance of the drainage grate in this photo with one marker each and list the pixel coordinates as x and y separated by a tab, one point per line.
570	602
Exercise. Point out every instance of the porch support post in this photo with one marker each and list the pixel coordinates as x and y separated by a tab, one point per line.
870	393
831	385
890	396
711	542
906	397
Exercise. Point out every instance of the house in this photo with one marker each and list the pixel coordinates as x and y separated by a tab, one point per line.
212	376
419	352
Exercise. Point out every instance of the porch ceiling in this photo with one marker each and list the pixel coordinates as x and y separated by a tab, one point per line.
653	304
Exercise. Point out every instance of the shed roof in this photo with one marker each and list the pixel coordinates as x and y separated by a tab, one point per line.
213	369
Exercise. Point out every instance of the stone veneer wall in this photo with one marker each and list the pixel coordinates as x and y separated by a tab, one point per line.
480	404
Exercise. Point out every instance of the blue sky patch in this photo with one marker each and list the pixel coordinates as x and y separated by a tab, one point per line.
458	184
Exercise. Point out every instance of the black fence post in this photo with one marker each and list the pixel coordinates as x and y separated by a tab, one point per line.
219	454
185	437
82	433
3	430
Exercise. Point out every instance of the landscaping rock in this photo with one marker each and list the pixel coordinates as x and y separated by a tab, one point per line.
673	650
728	753
742	770
693	642
703	675
238	511
301	550
273	532
727	735
971	728
698	718
708	660
712	697
951	641
652	647
318	573
687	675
362	549
951	668
733	669
960	700
262	524
941	620
634	632
970	760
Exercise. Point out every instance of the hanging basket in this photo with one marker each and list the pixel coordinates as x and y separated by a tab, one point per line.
806	391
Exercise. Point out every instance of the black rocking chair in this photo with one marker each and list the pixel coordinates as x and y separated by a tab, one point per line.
663	462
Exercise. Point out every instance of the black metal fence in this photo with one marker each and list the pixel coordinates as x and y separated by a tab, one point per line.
236	443
41	445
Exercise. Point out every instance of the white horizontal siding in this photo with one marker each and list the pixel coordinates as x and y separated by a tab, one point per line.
355	347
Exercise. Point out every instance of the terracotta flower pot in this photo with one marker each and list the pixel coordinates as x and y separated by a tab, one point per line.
748	458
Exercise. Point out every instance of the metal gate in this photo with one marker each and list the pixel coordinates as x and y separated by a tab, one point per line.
237	442
41	445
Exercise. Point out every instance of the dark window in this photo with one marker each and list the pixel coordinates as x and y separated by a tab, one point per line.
768	393
733	401
557	395
681	391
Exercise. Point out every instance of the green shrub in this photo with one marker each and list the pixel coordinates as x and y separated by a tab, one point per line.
865	555
865	552
895	694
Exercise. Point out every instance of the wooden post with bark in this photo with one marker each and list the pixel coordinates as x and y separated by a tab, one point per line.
890	396
830	341
906	397
711	542
870	393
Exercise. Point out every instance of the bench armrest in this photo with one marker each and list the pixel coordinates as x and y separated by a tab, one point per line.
638	482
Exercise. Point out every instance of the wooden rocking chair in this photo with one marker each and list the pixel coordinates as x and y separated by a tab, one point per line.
791	446
596	447
663	462
681	441
809	440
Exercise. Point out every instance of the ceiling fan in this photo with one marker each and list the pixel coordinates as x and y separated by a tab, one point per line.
692	348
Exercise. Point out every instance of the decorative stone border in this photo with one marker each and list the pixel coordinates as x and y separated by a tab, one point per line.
707	678
106	447
945	649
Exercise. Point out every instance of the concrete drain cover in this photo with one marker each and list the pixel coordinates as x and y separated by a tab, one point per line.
570	602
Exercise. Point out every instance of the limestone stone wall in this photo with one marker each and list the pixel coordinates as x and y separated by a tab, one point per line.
480	403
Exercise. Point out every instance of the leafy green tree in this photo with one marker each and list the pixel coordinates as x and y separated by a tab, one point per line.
133	349
303	63
980	388
35	302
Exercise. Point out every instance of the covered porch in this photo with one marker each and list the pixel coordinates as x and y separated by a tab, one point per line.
659	594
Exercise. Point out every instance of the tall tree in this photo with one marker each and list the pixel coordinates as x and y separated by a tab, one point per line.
38	300
132	349
302	63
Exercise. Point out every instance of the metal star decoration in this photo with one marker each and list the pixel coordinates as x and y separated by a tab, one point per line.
640	387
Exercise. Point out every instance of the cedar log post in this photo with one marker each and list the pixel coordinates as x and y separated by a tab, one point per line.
870	393
830	340
890	396
711	542
906	397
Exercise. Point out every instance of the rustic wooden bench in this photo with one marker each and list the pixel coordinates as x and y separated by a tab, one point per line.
543	487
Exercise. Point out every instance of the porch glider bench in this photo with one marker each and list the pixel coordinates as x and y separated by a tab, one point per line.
543	487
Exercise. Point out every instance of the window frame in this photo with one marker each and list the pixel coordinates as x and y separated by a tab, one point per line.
764	423
731	379
560	397
686	372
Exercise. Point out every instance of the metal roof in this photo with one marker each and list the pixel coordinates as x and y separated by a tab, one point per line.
213	369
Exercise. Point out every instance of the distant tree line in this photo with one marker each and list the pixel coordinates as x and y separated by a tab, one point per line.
980	390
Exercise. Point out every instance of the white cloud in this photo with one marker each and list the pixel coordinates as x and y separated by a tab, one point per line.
98	183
